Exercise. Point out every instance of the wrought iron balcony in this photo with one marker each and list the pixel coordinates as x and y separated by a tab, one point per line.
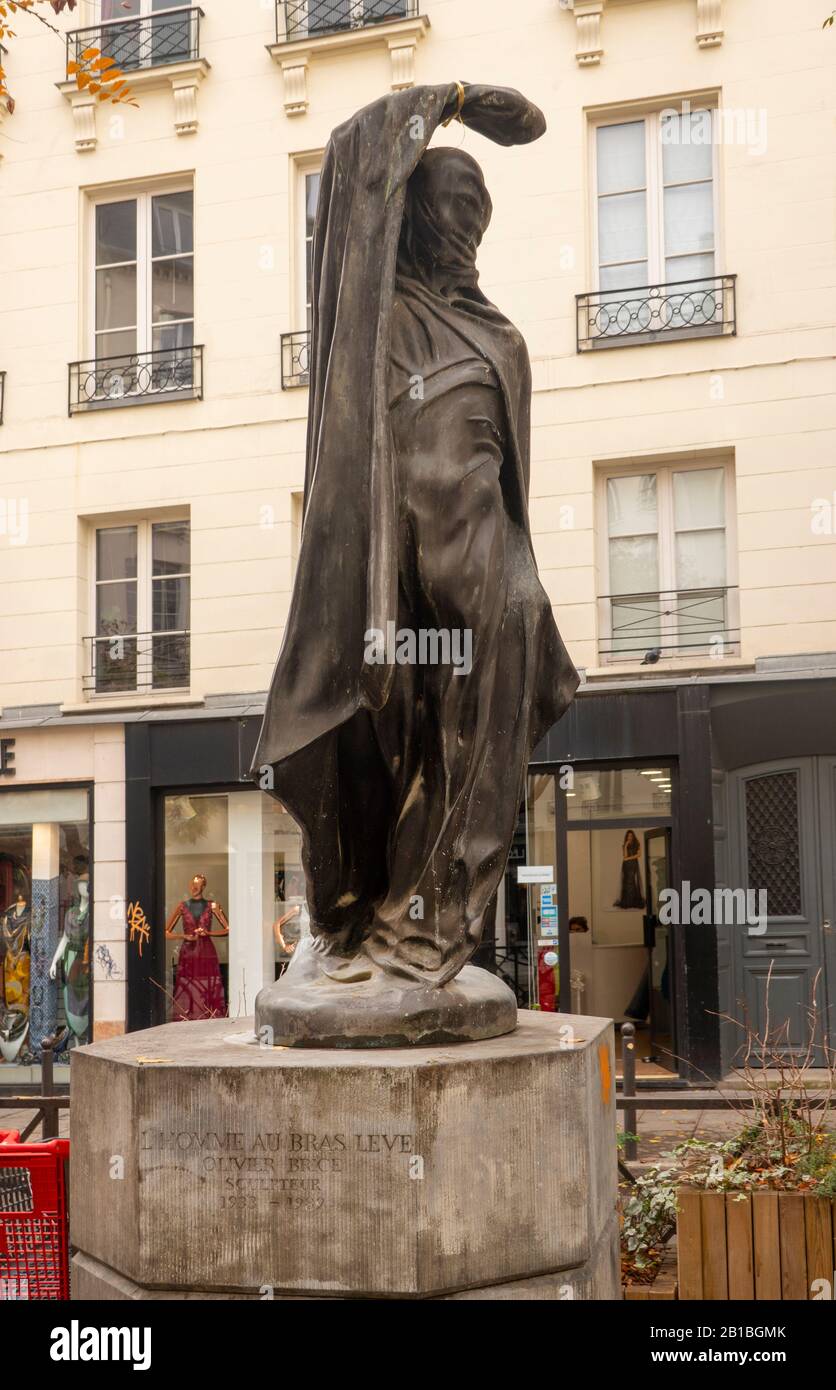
144	41
298	19
170	374
671	623
703	308
296	359
2	394
136	663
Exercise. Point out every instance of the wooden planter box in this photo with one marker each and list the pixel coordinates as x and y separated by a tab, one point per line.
663	1288
770	1245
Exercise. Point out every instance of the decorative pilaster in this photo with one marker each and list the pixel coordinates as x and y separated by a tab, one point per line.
295	78
588	16
709	23
402	54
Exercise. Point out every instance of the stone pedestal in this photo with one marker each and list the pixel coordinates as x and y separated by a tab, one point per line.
204	1166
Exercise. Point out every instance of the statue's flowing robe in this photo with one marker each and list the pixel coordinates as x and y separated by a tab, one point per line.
329	745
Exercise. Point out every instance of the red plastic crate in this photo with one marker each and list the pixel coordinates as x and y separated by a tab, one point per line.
34	1235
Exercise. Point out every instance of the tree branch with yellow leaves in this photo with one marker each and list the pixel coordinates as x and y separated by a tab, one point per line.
94	72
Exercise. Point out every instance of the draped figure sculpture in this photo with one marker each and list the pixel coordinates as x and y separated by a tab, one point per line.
421	662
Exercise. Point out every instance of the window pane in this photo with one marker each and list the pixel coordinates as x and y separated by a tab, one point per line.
119	9
634	565
620	151
700	620
169	662
115	232
689	219
173	336
692	268
636	626
116	297
631	505
116	344
116	553
700	559
115	608
170	603
172	289
620	277
622	228
170	547
311	198
686	147
172	222
115	665
699	498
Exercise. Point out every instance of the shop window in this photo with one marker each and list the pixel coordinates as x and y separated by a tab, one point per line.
45	927
141	608
667	563
234	901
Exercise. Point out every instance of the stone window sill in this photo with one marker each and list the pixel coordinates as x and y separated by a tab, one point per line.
183	79
294	56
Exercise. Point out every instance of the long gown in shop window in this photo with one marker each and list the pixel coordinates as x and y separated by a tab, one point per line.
199	988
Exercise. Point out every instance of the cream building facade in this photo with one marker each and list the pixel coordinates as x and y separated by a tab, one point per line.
667	251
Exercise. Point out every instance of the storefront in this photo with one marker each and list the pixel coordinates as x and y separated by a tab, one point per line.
618	808
61	945
701	788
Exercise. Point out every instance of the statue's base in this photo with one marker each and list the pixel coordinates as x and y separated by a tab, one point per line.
481	1171
362	1006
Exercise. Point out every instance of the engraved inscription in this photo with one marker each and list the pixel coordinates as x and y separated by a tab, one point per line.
290	1168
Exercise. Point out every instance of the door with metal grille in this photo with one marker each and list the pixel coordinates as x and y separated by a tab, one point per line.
781	985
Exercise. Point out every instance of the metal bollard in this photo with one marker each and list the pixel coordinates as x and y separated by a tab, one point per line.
628	1086
49	1126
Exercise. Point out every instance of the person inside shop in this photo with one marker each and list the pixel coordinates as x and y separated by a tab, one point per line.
578	924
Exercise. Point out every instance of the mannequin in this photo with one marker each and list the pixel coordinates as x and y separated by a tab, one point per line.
199	989
294	924
73	955
15	949
15	971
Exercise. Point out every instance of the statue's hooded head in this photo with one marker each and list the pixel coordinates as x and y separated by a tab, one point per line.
447	212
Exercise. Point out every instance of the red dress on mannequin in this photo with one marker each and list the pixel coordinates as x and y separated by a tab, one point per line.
199	989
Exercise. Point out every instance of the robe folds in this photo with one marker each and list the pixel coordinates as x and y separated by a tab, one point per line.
338	731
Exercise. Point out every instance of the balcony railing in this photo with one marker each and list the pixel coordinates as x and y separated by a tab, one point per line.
2	394
133	378
296	360
146	41
652	626
703	308
136	663
297	19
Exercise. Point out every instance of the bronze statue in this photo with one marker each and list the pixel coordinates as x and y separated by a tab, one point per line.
421	661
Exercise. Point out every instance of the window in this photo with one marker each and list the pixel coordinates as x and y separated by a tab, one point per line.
655	227
296	345
666	563
147	32
141	606
142	301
